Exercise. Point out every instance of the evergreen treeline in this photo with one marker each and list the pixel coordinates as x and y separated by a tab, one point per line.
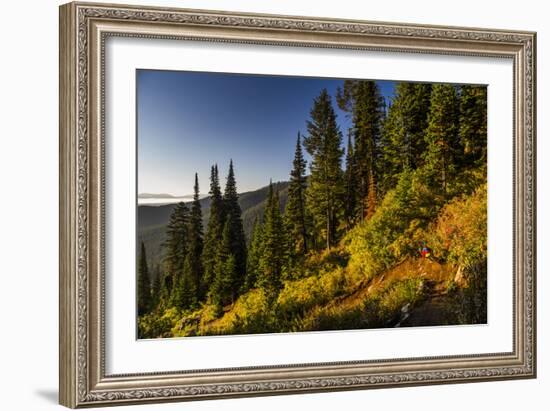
439	129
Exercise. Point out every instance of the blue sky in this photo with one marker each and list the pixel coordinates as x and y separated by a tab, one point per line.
187	121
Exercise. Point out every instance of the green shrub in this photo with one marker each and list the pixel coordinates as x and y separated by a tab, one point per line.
470	303
391	233
377	310
459	235
330	318
398	295
298	296
316	262
249	315
154	325
410	214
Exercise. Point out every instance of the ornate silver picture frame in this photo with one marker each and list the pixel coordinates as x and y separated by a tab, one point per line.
84	30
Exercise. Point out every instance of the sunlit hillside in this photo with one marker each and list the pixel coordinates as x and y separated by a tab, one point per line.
388	230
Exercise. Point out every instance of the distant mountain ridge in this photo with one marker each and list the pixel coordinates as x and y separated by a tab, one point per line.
144	196
152	219
162	195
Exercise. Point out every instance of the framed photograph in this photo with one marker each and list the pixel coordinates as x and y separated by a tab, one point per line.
258	204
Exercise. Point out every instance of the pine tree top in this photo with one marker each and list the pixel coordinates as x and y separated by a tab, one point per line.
230	193
269	196
298	164
215	190
196	188
324	134
142	253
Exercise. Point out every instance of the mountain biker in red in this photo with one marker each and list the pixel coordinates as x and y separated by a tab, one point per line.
425	252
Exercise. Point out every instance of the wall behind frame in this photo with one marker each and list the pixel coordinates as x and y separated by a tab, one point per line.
29	187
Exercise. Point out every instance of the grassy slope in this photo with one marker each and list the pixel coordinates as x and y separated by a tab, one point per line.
387	300
387	289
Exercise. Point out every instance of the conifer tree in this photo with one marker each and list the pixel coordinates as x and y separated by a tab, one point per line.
196	244
176	243
144	284
273	256
295	211
221	292
156	288
350	181
167	286
185	290
255	250
325	189
362	99
213	236
237	240
442	136
372	196
473	123
403	132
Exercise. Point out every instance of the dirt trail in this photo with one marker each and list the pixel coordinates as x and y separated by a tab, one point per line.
435	274
430	311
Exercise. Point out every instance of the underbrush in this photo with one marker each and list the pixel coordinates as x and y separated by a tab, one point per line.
392	232
380	309
317	295
459	234
301	295
250	314
158	325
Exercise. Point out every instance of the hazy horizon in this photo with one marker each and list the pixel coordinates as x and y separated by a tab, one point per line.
144	196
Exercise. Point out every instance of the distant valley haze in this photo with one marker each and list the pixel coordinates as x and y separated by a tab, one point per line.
164	198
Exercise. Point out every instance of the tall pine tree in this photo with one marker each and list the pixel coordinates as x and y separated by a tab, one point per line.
255	250
273	256
176	243
144	283
188	287
325	189
237	241
225	271
196	244
403	131
213	236
156	288
441	138
350	182
185	287
473	123
362	99
295	211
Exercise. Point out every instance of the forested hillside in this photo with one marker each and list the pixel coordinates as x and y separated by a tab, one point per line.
387	227
152	220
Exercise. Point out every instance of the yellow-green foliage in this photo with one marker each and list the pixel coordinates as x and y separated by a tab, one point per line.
154	325
252	313
330	318
467	182
298	296
209	313
187	322
317	261
379	309
317	295
249	315
391	233
401	222
398	294
459	234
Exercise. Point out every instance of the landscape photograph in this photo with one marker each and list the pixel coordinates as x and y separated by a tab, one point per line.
279	204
